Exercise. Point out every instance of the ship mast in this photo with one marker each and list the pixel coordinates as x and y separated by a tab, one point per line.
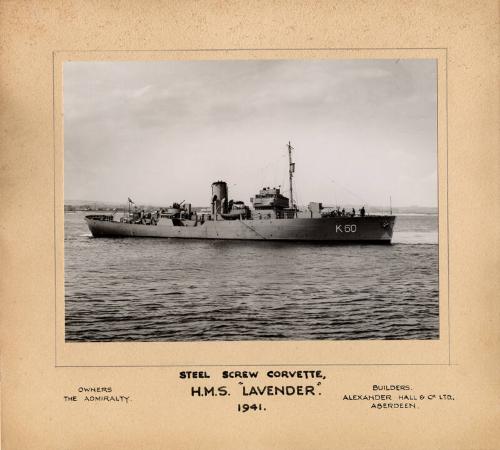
291	170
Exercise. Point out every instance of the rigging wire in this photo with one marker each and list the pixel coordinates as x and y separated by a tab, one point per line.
348	190
266	178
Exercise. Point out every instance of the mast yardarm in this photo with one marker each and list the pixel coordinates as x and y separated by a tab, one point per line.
291	170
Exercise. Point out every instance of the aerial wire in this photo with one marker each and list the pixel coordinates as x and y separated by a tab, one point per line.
348	190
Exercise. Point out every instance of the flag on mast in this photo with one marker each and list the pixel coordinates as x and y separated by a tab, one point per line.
130	200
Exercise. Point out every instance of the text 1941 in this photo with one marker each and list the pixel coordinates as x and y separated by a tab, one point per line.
245	407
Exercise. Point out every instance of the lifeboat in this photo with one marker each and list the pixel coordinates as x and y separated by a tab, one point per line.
238	211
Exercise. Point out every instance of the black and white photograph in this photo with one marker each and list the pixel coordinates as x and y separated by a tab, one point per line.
250	200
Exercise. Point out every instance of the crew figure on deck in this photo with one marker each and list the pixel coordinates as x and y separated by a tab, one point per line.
362	211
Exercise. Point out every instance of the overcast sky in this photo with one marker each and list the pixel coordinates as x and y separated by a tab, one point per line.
158	132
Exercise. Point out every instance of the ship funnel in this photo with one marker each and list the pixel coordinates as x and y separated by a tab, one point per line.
219	198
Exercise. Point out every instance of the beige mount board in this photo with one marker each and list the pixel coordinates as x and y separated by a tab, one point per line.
38	368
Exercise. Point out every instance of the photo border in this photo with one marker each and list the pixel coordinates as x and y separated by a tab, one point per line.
58	59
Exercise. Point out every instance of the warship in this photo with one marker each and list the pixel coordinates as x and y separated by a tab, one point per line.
273	217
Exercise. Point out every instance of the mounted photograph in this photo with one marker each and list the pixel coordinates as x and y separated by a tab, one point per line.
251	200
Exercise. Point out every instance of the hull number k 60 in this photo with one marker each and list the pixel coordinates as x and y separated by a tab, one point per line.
345	228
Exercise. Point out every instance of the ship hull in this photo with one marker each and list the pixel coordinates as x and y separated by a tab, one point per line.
368	229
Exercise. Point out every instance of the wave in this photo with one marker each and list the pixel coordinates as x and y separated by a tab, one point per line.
415	238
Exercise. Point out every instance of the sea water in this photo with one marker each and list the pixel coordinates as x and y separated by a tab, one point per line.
145	289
